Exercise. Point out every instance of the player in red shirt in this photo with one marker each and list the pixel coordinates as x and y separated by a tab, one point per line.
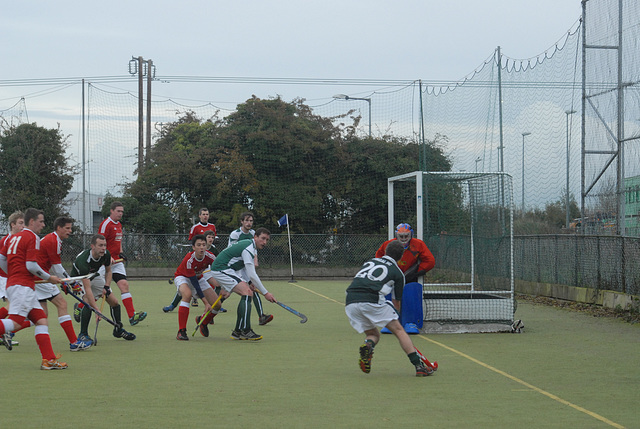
49	260
16	225
18	257
190	281
111	229
200	228
203	226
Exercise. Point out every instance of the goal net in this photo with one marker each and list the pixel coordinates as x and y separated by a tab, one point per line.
466	221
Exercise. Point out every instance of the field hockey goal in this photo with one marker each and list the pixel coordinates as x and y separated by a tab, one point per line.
466	220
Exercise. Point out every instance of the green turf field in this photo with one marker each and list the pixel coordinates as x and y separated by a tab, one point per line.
567	370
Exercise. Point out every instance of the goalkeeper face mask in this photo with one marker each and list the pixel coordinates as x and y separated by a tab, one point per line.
404	232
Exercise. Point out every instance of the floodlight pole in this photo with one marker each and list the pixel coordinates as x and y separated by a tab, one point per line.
368	100
567	219
526	133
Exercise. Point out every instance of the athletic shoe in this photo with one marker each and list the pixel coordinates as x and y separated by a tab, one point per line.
194	302
411	328
204	329
423	370
168	308
80	345
137	318
6	340
246	335
121	333
84	338
265	318
13	342
182	335
53	364
366	354
222	310
250	335
385	330
76	312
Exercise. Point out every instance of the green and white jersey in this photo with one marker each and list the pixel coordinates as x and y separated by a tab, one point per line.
236	256
376	279
85	264
239	234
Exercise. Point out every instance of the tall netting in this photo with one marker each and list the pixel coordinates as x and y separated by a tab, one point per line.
612	102
466	221
485	134
112	134
14	115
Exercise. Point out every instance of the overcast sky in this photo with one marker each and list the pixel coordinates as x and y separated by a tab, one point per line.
372	39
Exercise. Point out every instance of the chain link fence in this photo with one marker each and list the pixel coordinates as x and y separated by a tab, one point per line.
596	262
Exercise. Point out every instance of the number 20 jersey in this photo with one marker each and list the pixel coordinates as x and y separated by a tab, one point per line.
376	279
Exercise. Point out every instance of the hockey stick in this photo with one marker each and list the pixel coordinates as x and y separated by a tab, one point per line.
433	366
95	334
99	313
297	313
206	314
89	276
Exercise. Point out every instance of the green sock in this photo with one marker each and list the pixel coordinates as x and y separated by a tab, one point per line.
115	313
85	318
258	303
243	321
176	300
370	342
414	358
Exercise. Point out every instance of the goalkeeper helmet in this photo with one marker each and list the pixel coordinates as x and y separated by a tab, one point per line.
404	233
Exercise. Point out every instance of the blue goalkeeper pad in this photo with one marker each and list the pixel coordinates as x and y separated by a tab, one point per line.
412	305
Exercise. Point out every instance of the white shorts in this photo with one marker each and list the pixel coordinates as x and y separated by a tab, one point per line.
46	291
204	285
3	287
117	268
97	287
228	279
22	300
367	315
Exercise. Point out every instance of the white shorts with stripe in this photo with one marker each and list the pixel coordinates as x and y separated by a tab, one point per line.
229	278
204	285
368	315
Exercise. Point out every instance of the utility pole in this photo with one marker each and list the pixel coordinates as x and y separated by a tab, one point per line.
142	67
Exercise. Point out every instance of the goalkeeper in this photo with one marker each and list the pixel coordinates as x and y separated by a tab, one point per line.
90	261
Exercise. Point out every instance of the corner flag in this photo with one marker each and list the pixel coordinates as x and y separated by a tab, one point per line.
284	220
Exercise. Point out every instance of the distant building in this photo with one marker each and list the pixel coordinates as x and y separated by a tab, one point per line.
632	206
91	214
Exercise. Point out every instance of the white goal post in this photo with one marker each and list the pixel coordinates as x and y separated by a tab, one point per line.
466	219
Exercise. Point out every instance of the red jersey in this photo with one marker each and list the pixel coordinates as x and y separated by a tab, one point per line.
50	250
20	248
190	265
2	242
112	231
200	228
416	250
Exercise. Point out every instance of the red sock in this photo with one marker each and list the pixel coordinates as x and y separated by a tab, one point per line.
127	301
25	324
183	315
209	318
4	312
65	322
44	342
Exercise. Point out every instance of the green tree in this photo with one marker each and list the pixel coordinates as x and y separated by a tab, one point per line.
34	170
275	157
